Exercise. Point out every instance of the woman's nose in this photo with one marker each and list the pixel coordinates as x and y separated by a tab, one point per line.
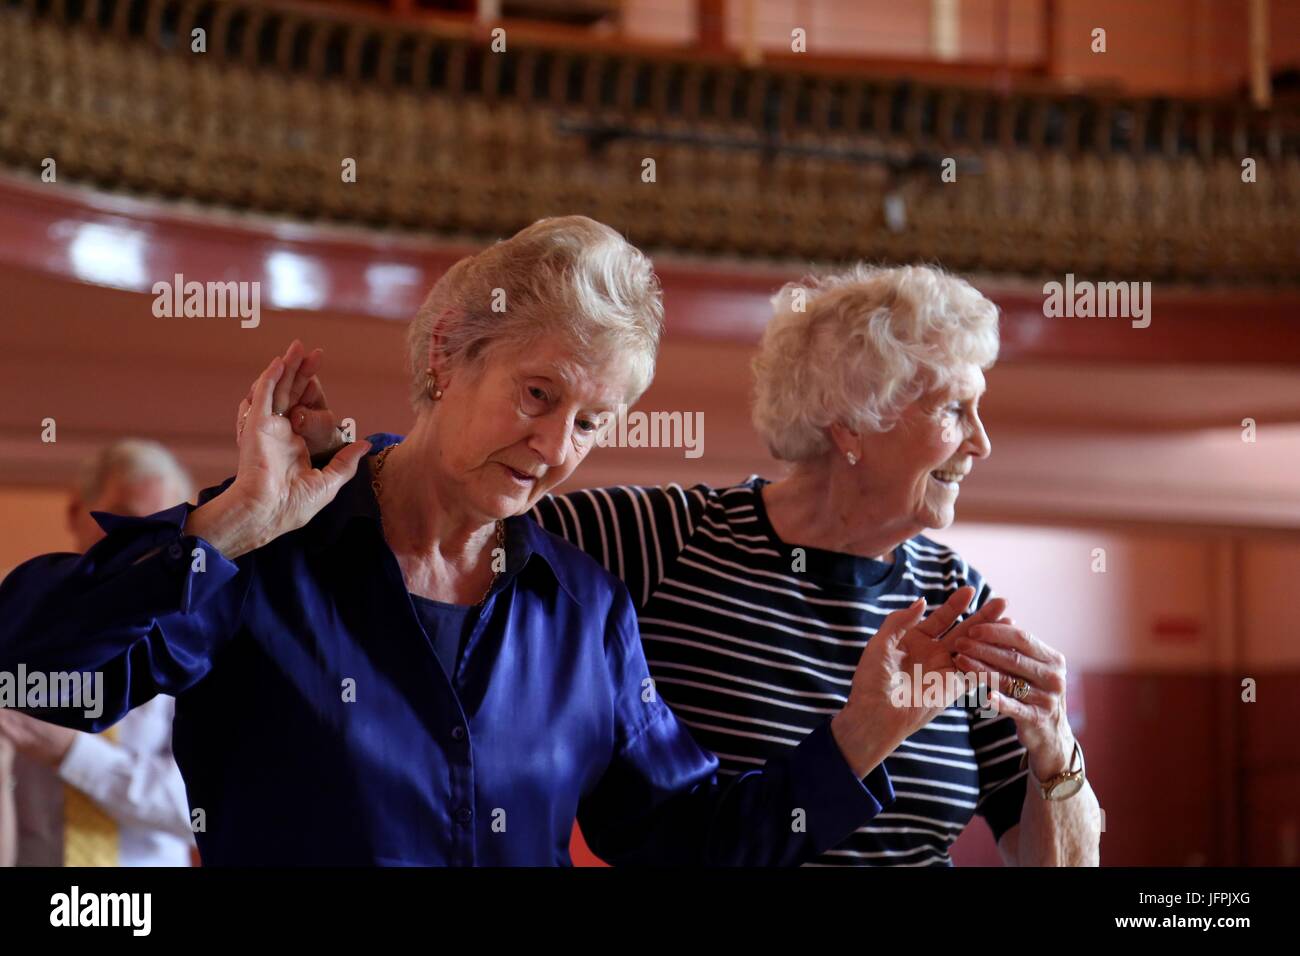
980	445
553	442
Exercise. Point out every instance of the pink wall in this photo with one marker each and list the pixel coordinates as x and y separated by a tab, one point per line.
1161	643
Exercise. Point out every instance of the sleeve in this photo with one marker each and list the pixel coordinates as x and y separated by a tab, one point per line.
660	801
997	752
635	532
134	788
141	613
8	810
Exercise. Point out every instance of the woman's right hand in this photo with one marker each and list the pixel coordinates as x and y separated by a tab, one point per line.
874	722
276	489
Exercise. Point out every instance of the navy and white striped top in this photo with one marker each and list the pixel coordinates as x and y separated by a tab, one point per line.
752	654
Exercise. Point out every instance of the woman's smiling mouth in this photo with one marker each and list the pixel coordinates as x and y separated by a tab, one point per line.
948	479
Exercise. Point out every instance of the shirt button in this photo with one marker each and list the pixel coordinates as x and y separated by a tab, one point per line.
464	815
175	551
458	733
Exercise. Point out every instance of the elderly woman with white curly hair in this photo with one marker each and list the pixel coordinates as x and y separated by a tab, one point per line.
384	661
755	601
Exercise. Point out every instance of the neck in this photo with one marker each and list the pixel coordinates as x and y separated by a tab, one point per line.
418	520
821	506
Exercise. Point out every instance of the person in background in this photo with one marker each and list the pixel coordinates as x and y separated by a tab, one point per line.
116	798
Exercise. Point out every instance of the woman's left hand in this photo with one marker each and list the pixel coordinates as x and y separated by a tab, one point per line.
1041	721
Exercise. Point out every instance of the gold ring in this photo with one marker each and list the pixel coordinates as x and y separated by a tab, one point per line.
1019	688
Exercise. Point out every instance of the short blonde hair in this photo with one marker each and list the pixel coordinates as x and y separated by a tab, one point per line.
568	276
858	346
131	459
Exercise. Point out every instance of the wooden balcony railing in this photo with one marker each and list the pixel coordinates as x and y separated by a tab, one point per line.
453	138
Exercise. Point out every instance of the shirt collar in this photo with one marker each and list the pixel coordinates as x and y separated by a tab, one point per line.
525	538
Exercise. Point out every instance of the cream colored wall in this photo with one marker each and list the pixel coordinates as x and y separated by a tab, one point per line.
34	522
1098	620
1237	589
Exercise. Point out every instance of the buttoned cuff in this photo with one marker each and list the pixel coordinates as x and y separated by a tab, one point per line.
161	538
836	800
89	758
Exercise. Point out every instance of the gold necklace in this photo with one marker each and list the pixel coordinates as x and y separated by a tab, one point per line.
377	488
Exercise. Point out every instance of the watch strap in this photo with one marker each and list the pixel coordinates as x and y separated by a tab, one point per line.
1051	784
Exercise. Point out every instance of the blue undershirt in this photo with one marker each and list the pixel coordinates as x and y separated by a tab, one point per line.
446	626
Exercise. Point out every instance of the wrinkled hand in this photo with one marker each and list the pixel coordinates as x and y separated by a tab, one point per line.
1008	652
872	723
302	398
276	489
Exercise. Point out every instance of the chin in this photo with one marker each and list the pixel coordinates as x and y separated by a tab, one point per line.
502	507
506	505
938	520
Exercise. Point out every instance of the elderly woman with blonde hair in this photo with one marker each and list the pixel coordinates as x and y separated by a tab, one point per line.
755	601
384	661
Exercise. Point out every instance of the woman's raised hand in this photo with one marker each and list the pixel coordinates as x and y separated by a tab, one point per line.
302	397
887	702
276	489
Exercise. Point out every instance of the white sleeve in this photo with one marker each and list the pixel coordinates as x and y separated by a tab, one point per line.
8	810
144	790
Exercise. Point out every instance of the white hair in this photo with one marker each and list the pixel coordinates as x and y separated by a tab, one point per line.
132	459
858	346
568	277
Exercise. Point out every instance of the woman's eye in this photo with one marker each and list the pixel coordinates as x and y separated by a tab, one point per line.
586	425
535	400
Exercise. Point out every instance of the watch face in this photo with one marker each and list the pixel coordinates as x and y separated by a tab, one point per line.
1066	788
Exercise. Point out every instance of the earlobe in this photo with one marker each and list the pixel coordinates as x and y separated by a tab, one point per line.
845	439
431	384
435	362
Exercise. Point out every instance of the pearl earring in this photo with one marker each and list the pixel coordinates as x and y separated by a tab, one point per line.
432	384
853	459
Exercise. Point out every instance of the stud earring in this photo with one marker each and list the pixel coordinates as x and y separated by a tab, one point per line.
853	459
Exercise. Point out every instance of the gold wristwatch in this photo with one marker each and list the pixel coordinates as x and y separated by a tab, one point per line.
1063	785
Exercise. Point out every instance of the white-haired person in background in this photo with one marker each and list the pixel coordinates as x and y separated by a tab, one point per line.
110	799
755	601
